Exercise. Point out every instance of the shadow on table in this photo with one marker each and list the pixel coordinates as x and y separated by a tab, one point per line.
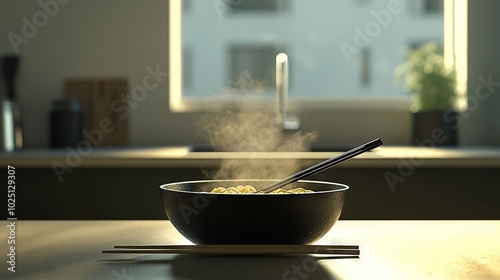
209	267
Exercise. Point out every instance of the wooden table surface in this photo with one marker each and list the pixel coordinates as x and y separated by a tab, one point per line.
389	250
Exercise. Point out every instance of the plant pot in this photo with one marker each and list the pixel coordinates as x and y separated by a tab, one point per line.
434	128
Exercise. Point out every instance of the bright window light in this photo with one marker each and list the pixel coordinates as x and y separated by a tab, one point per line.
342	53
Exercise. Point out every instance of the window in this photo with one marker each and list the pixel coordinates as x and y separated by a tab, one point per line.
256	5
433	6
340	52
256	62
426	7
365	67
187	70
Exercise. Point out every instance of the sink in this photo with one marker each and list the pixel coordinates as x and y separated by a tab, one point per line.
314	148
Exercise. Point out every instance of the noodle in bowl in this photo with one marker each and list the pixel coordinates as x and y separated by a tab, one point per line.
252	218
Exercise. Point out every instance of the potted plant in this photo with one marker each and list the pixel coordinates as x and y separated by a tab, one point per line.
432	85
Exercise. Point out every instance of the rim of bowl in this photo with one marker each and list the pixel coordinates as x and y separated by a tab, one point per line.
165	186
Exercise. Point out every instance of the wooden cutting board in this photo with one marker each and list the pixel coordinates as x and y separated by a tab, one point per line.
104	125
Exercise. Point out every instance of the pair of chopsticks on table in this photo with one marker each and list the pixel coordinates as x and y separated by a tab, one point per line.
350	250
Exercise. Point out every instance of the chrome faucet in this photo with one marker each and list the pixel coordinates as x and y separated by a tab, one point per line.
282	118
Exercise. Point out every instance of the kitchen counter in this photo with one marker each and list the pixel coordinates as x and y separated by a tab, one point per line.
164	157
389	250
387	183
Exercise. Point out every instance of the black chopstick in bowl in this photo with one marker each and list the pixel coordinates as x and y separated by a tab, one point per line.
235	249
324	165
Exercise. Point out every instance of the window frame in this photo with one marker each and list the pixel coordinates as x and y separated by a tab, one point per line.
180	103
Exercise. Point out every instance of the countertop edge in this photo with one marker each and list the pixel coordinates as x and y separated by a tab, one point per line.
181	157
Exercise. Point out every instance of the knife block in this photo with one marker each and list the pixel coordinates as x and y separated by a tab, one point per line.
97	97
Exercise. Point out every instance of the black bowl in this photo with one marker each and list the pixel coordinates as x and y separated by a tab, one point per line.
206	218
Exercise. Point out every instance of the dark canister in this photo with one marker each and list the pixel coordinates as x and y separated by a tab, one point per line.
66	123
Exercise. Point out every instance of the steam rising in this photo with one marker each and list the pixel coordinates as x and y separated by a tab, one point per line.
245	128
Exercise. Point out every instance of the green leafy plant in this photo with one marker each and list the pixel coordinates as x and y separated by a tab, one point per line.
426	76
